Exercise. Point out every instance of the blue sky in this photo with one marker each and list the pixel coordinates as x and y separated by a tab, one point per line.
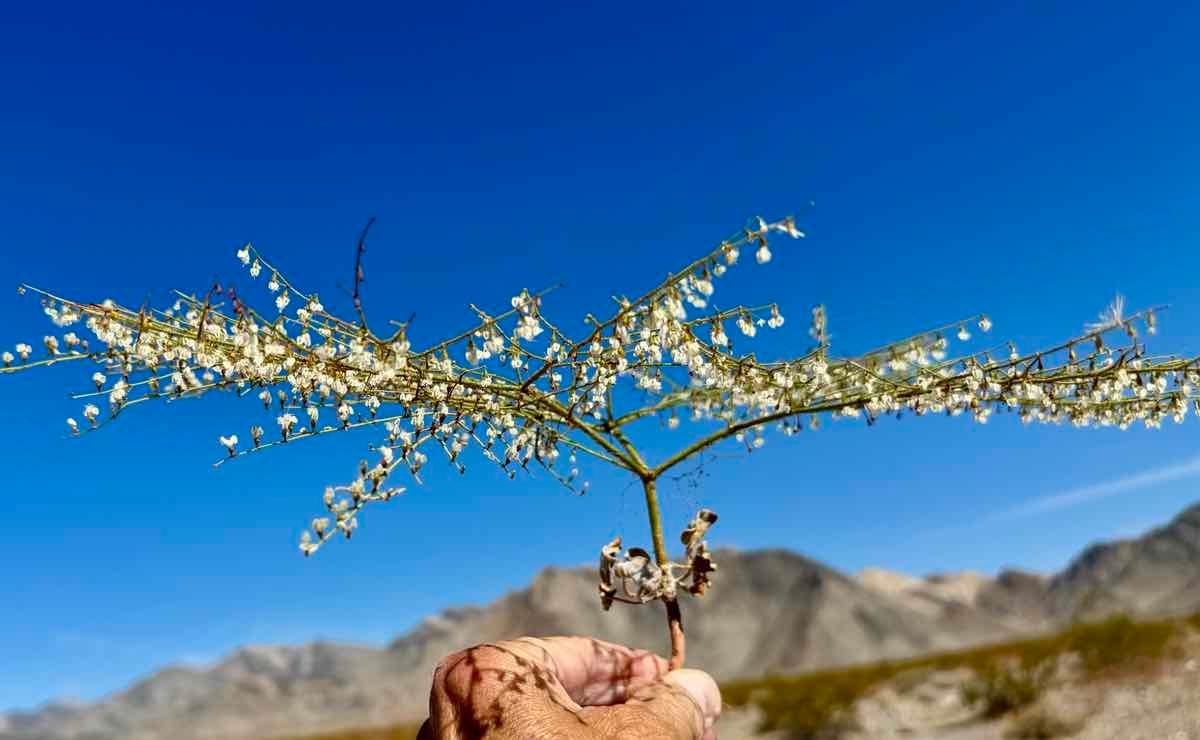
1028	161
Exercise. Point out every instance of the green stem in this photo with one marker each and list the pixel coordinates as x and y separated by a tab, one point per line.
674	618
652	510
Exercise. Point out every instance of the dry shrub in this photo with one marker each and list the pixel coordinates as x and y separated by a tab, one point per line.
1042	723
1006	685
816	706
1119	643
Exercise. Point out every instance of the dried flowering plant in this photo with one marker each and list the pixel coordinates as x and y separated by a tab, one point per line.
529	396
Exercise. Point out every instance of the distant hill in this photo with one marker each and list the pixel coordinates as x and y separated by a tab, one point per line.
769	611
1157	574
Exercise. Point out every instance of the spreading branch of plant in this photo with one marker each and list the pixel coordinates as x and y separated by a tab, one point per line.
529	396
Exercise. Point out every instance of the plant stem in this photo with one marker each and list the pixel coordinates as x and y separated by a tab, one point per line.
675	625
674	618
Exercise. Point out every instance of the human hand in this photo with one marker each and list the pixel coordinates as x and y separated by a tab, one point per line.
567	687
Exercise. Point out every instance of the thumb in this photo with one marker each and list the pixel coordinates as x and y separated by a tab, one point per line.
703	690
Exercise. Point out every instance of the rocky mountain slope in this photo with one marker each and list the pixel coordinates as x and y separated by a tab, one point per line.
1156	574
769	611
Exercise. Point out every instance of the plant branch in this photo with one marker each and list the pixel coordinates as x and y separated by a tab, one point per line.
358	275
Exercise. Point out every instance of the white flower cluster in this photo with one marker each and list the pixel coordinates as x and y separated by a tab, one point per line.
529	395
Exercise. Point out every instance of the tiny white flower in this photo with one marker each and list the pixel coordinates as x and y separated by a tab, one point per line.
673	422
388	454
745	322
285	422
963	335
229	443
282	300
763	255
24	350
307	546
265	396
255	268
74	426
98	378
529	327
788	226
985	324
718	335
7	357
243	254
91	412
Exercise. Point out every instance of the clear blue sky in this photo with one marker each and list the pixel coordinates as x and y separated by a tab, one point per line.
1025	161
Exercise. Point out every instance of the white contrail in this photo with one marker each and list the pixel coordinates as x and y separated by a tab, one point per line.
1083	494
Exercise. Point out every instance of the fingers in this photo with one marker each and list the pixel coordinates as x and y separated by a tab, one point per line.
499	690
683	706
598	673
567	687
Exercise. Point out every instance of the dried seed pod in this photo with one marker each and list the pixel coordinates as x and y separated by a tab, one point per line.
701	568
609	556
697	528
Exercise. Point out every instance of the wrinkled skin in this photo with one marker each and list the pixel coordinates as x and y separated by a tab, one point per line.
567	687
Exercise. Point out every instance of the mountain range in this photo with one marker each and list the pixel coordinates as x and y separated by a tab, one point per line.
769	611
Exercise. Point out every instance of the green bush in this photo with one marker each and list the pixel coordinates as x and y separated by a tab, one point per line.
1005	686
815	706
1118	641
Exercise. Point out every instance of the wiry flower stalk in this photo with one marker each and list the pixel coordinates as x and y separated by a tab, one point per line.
528	396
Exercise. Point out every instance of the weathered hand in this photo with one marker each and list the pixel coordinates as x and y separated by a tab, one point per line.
567	687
